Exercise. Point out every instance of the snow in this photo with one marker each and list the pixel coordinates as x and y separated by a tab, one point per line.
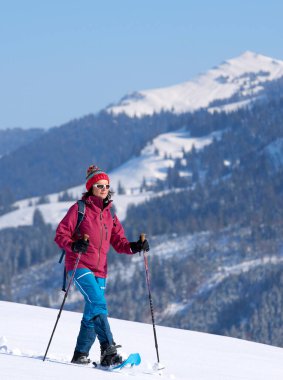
52	213
244	75
152	164
156	157
25	331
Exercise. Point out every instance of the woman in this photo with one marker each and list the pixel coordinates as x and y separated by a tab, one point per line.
91	273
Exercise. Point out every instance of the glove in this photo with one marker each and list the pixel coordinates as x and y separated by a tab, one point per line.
138	246
80	245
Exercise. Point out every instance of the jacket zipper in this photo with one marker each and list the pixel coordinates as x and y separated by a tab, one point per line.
106	231
101	234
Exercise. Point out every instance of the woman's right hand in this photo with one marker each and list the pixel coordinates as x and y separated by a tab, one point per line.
81	245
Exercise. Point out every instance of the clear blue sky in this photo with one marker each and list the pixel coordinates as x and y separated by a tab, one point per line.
63	59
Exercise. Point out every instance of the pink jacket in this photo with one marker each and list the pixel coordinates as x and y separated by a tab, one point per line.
102	230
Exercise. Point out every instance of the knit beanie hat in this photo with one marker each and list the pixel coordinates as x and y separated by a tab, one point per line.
93	175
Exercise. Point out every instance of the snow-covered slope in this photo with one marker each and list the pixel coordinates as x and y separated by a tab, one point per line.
238	81
152	164
156	157
25	331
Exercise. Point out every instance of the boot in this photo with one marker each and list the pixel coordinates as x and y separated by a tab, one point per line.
109	355
80	358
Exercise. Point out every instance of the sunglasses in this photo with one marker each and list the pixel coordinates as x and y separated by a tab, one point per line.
101	187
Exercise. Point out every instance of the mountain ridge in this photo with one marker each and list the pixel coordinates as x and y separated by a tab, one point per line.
81	141
221	82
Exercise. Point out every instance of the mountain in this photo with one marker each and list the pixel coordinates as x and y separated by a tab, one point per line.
233	84
199	356
115	135
213	218
206	187
12	138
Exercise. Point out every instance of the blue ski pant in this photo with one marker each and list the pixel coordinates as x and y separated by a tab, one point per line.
94	322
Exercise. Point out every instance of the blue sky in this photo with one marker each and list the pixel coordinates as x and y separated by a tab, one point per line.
63	59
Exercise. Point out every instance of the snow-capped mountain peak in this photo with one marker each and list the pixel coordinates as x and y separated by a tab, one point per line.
253	61
232	84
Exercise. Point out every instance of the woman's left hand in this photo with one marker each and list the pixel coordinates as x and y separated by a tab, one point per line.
139	246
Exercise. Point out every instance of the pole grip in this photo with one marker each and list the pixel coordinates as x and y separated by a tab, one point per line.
142	237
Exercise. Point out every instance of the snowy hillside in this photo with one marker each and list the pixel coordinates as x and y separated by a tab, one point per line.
235	83
231	84
185	354
152	164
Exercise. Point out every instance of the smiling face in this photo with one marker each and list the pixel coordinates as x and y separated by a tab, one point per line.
100	192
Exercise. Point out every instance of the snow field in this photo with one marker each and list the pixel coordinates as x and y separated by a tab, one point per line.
26	330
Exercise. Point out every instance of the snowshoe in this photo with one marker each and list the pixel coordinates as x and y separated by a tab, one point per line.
80	358
109	355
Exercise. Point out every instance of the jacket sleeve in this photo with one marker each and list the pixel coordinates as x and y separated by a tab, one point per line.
118	239
66	228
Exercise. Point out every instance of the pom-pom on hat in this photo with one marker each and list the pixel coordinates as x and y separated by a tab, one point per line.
93	175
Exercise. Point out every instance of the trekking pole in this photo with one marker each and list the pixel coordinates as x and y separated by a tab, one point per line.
142	237
65	297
